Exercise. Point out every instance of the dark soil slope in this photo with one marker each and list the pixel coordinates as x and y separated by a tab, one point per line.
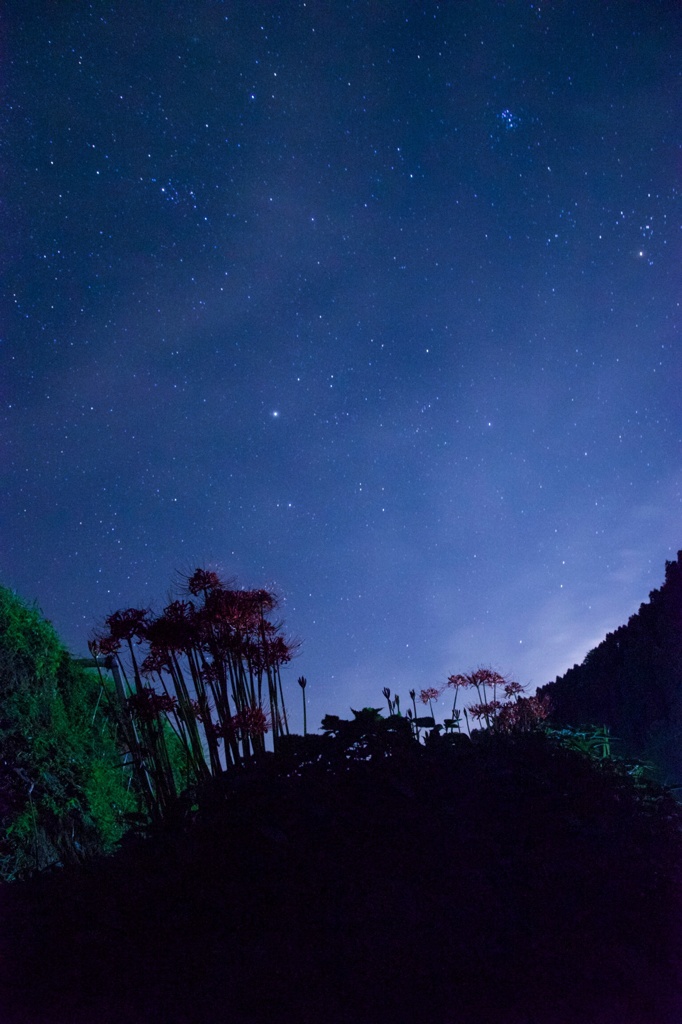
507	880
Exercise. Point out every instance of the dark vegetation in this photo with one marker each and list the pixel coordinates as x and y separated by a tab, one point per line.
388	869
632	682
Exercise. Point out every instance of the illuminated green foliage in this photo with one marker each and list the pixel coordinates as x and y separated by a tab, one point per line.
63	791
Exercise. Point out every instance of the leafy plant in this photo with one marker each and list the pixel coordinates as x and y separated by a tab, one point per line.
63	794
368	734
592	740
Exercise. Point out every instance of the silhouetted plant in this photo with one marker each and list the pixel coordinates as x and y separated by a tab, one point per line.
413	694
213	664
516	713
368	734
303	682
428	695
513	714
393	704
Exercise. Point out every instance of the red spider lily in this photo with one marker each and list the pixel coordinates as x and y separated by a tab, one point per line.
175	629
486	677
246	613
512	688
485	710
282	651
509	717
103	646
249	722
210	672
252	721
156	662
202	580
264	598
269	653
147	704
459	682
481	679
524	714
540	707
430	693
233	611
202	711
129	623
227	641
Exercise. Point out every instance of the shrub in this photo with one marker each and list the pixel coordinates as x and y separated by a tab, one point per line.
63	792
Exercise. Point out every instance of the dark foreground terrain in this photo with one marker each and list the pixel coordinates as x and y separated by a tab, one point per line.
508	880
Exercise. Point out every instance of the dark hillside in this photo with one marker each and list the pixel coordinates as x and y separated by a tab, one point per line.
507	879
632	682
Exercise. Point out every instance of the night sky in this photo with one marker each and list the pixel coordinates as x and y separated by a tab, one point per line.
377	303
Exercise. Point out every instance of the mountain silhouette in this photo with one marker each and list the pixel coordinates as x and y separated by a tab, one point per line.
632	682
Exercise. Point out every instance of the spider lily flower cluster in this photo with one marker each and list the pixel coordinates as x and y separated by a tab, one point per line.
203	676
500	706
200	686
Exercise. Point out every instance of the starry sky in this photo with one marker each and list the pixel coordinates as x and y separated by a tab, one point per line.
374	303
